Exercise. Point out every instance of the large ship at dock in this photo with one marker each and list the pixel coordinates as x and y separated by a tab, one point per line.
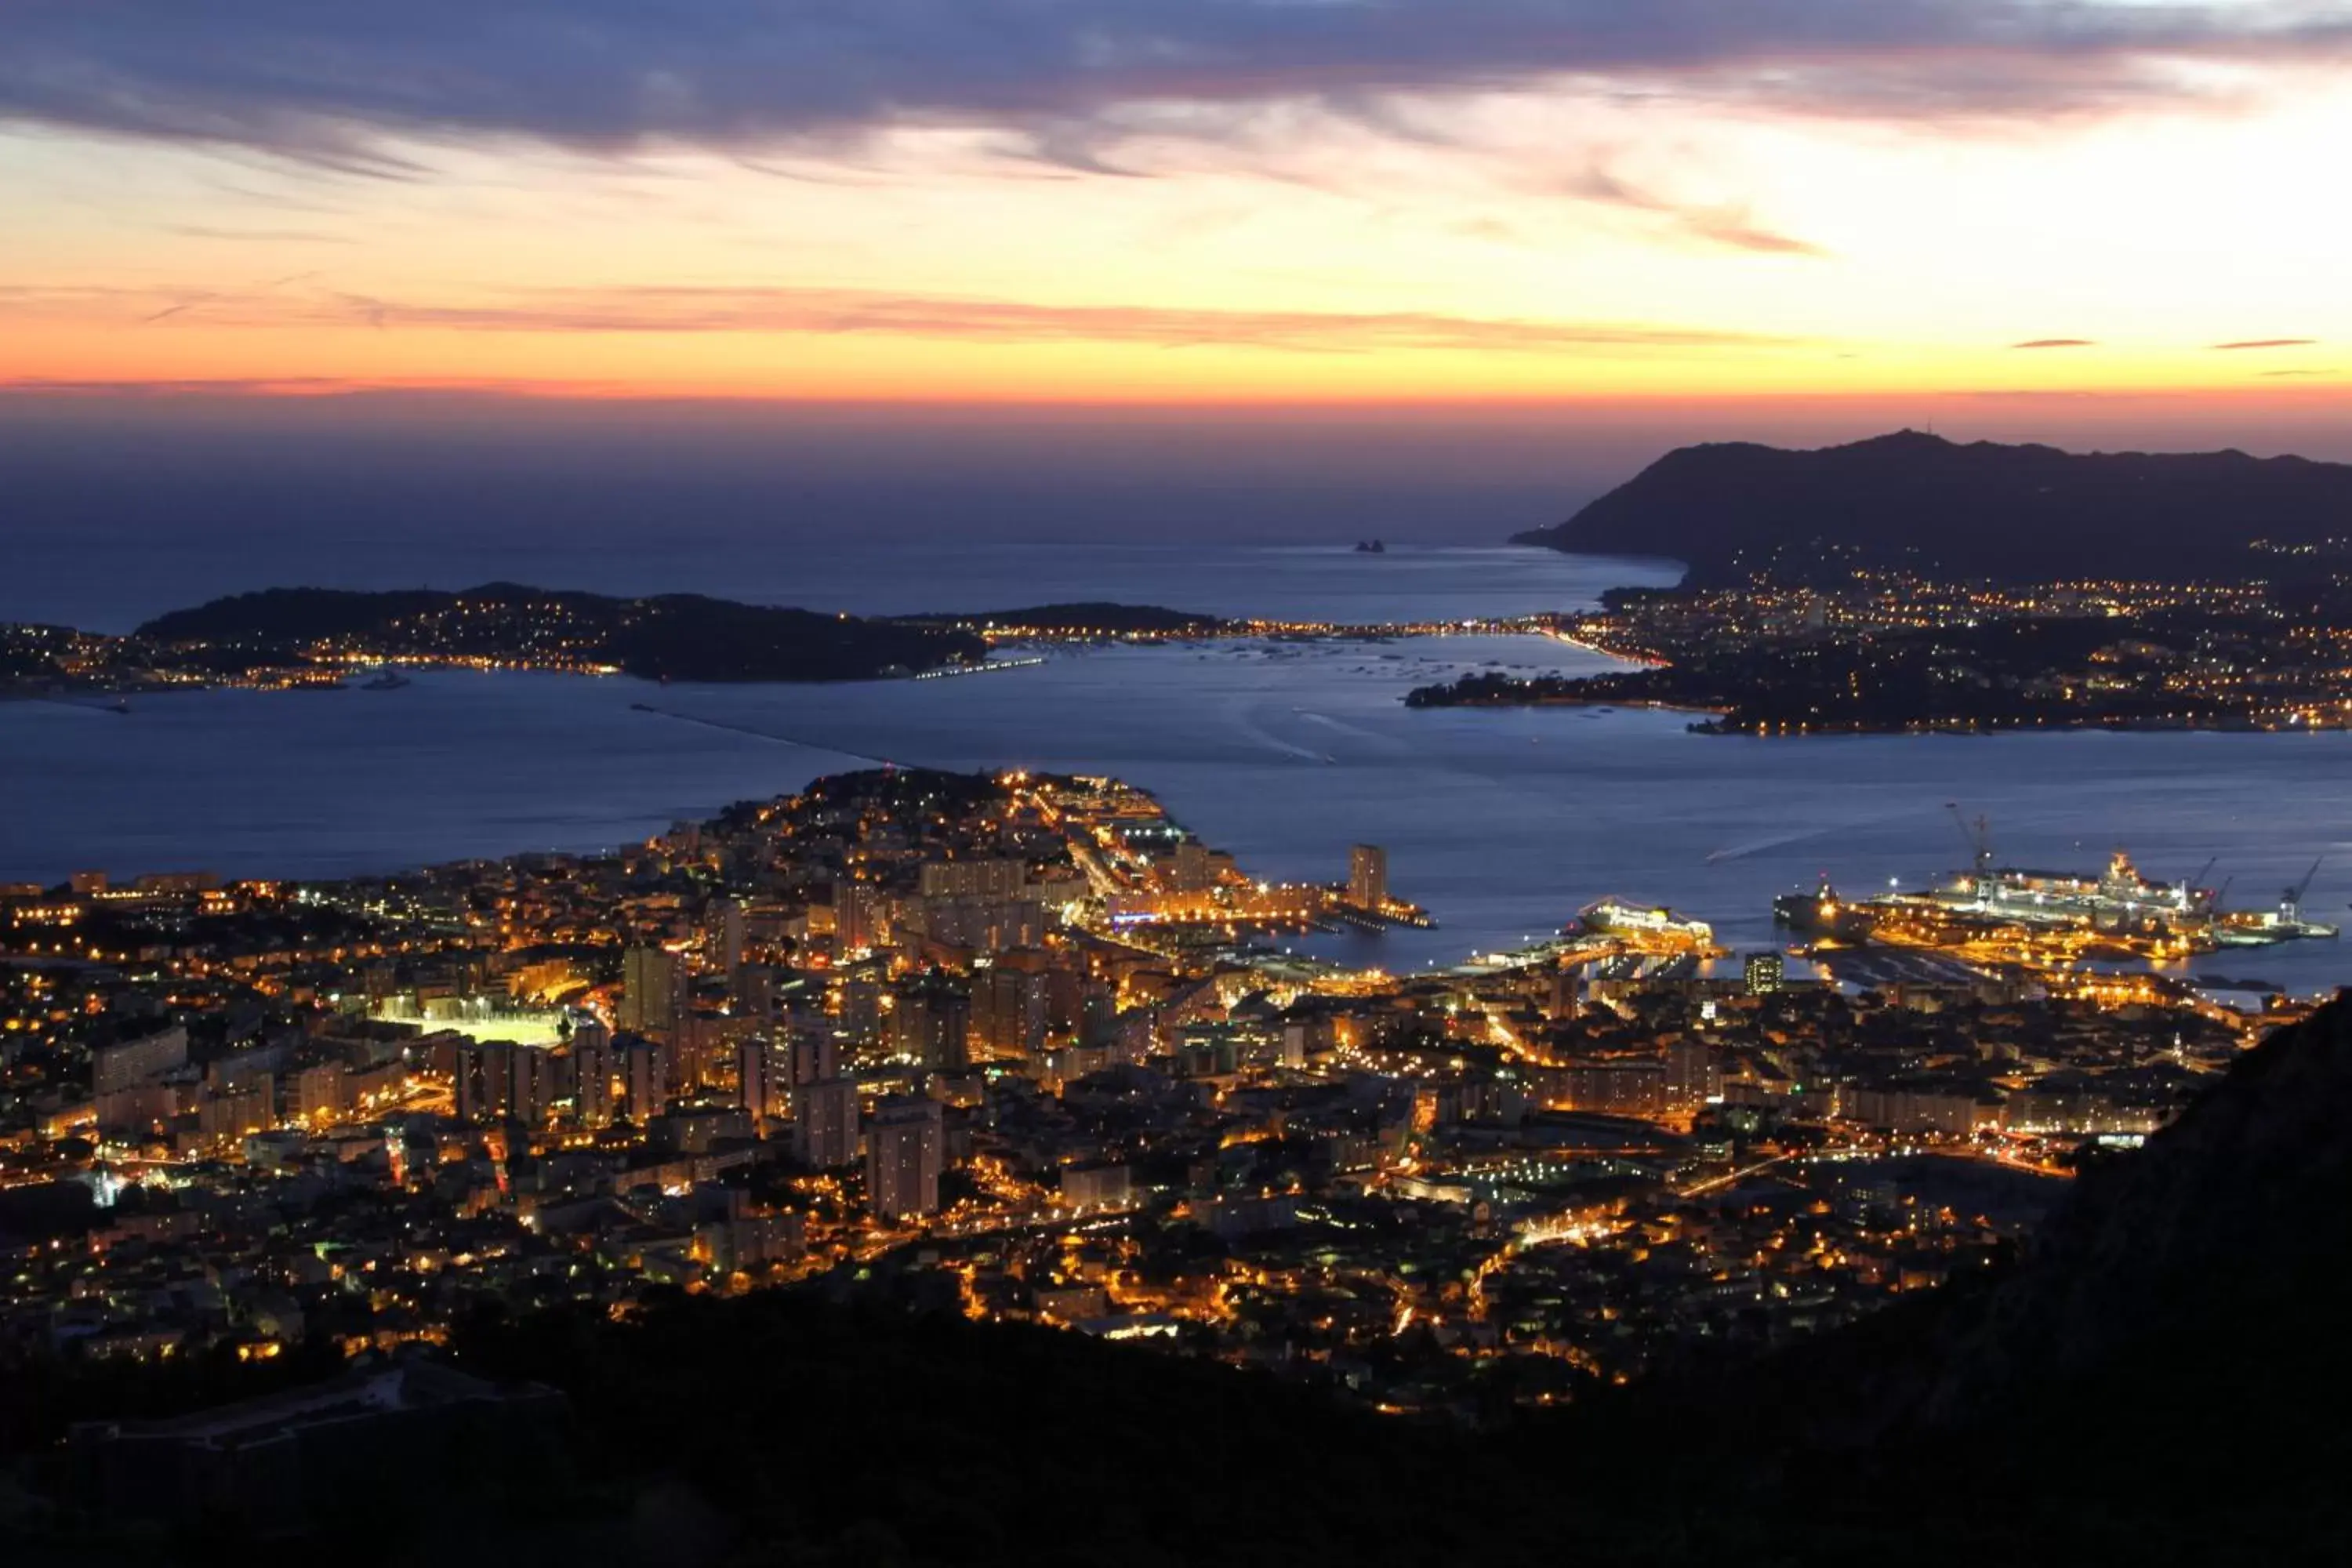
2117	902
1621	917
2118	899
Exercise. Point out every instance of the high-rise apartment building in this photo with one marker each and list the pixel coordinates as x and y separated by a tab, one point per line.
646	1069
905	1145
536	1075
932	1022
825	1123
989	877
763	1074
724	934
142	1060
649	991
592	1071
857	917
815	1057
485	1086
1008	1013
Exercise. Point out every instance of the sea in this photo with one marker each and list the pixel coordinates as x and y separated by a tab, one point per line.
1502	823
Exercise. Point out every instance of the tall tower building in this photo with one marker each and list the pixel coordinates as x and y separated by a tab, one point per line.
646	1068
857	916
1008	1013
762	1069
485	1086
649	991
904	1144
1764	972
726	933
825	1123
860	1008
1189	868
756	989
535	1073
932	1024
592	1073
815	1057
1367	876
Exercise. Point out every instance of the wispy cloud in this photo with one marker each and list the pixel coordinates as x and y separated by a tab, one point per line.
1732	227
846	311
269	236
2267	343
1735	233
2056	343
342	83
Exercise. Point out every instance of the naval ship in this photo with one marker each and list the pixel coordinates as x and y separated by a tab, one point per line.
2118	900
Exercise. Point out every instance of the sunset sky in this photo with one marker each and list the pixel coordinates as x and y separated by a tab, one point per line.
1179	201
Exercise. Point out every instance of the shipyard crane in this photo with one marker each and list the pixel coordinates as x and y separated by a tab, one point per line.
2193	891
1979	834
2290	901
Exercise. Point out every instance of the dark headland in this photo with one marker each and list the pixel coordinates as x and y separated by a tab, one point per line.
670	637
316	637
1907	583
1916	501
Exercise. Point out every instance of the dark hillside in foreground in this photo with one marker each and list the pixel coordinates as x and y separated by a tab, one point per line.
2026	514
2159	1381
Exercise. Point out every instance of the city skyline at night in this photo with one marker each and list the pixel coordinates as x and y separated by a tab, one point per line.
1391	783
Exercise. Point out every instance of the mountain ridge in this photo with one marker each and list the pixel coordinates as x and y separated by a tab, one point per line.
2018	513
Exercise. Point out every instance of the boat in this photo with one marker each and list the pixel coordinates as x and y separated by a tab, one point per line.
1370	547
2118	899
1621	917
386	681
1824	914
2117	902
2123	900
2285	923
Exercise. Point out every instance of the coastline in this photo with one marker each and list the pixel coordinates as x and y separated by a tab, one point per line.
1500	828
1889	655
1499	837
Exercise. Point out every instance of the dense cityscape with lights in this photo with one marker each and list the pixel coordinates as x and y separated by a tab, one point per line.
1021	1048
1514	781
1897	652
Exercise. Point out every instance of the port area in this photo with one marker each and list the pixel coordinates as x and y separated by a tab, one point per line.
2006	917
1916	945
2114	940
1148	882
2051	935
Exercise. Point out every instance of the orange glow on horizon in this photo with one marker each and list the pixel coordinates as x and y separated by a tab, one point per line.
1757	258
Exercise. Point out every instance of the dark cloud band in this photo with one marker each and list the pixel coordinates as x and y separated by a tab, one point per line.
333	81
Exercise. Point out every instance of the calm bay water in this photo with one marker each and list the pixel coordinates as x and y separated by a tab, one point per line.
1503	823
